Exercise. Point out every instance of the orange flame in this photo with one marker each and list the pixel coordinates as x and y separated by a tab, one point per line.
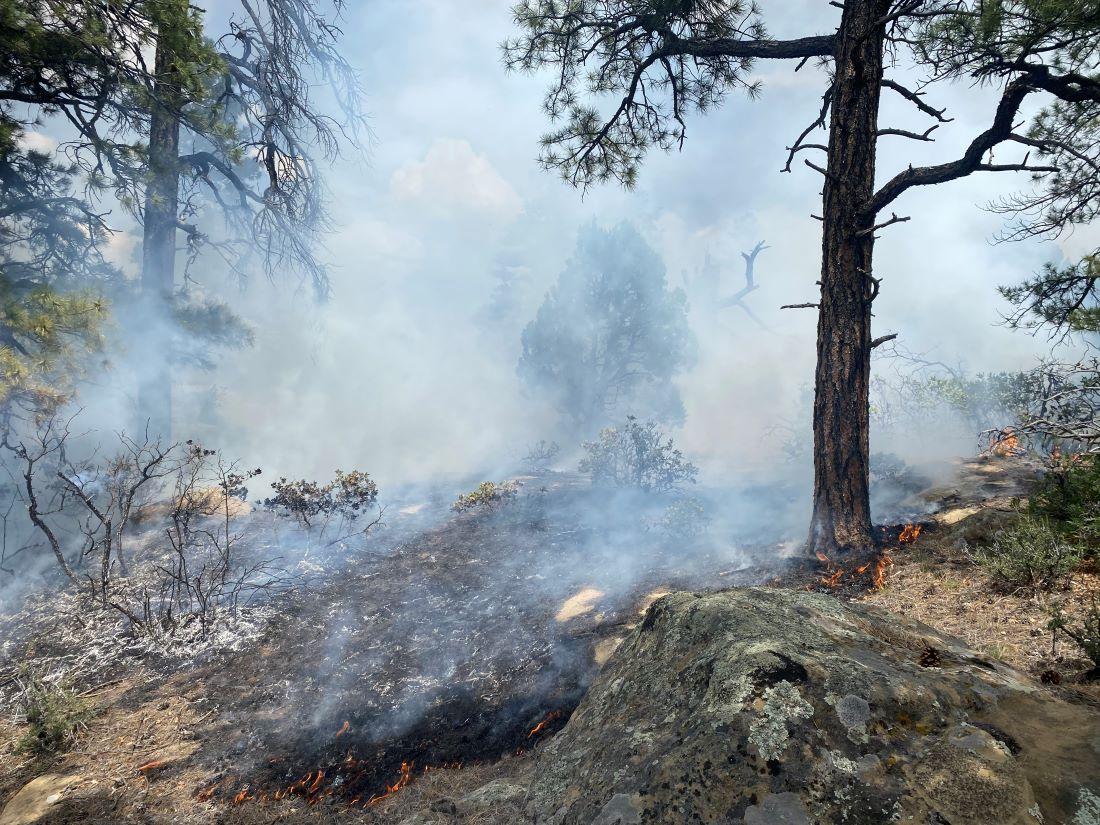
909	533
403	779
882	567
207	794
541	726
343	729
1006	443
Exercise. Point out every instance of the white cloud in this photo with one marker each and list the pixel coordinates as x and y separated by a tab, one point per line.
38	142
454	179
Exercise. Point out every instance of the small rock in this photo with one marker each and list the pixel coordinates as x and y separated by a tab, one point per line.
30	804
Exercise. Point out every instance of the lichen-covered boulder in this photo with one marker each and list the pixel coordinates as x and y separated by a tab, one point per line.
770	706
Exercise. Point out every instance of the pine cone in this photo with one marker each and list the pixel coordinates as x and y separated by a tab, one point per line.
930	657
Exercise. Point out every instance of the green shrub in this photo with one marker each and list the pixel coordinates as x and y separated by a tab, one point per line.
486	496
1069	497
54	715
1086	635
1029	554
347	496
637	455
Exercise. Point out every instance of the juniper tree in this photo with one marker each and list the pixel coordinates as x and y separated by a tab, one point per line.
661	60
610	335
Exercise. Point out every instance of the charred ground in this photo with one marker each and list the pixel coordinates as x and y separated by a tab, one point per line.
434	645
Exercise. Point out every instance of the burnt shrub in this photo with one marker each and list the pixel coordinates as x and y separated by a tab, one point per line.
541	455
638	456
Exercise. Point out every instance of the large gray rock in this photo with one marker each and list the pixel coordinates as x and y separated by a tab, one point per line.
769	706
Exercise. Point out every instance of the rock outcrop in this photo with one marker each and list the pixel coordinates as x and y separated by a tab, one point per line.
768	707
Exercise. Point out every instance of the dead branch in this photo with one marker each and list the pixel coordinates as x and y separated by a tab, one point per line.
925	135
915	99
871	230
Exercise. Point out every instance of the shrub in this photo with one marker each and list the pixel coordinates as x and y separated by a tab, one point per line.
637	455
346	496
1069	496
486	496
685	518
540	456
1029	554
1086	635
54	715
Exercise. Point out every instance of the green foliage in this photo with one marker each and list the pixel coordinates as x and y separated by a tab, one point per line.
486	496
54	715
348	496
610	335
1068	496
1059	297
1029	554
1085	635
207	325
638	456
624	35
43	334
982	401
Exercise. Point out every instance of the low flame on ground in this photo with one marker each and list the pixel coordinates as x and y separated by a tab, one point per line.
878	569
313	787
541	726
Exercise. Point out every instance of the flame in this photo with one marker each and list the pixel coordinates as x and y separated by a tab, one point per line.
207	794
882	566
403	779
1005	443
242	796
909	533
541	726
343	729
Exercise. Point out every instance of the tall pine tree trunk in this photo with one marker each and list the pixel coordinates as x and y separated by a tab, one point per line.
842	510
159	247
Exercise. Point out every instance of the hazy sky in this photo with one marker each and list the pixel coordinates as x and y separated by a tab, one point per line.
394	374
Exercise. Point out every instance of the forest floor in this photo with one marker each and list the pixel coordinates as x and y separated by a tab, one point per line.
468	642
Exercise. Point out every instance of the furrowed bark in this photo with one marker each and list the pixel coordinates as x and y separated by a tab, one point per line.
841	511
159	242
